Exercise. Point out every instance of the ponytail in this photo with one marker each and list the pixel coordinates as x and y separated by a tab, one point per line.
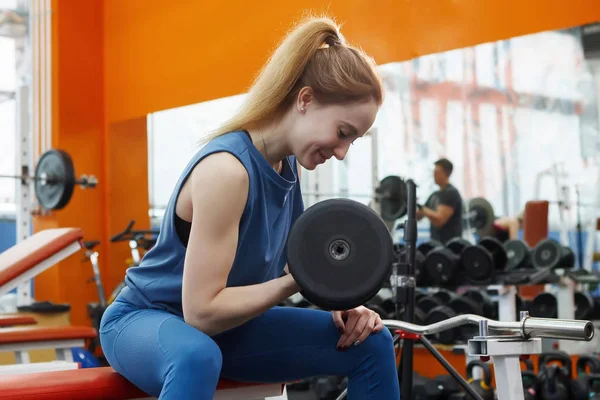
313	54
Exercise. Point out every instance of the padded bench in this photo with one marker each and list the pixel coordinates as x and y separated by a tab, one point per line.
16	320
106	384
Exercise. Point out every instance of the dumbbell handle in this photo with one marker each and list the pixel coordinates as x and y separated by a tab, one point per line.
528	327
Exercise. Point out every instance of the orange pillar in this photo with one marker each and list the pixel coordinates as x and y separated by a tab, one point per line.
78	128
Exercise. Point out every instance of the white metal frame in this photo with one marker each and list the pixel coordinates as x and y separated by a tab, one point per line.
38	367
62	348
505	353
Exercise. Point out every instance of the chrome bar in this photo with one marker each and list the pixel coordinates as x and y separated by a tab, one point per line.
527	327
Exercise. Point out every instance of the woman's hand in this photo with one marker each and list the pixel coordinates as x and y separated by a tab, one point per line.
355	326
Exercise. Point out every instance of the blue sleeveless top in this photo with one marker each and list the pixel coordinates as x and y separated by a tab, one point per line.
274	203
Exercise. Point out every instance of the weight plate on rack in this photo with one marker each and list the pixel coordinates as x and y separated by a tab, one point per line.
442	266
438	314
428	245
428	303
518	254
54	179
495	247
478	264
584	305
544	305
546	254
392	195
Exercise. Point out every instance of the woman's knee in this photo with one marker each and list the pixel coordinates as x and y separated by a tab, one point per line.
379	344
204	357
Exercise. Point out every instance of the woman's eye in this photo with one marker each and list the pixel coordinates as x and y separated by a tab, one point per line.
341	134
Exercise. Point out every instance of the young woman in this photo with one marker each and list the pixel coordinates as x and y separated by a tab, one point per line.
202	303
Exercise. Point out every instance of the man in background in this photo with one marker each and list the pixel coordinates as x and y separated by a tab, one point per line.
444	208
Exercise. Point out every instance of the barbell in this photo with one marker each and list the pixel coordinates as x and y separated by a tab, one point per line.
54	179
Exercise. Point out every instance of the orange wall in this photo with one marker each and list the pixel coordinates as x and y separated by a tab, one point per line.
116	61
78	128
161	55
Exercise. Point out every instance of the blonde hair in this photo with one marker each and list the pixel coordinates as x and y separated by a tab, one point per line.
313	54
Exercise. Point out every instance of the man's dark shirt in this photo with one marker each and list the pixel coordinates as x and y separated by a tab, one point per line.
450	197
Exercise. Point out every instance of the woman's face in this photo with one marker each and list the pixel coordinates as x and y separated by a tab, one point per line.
324	131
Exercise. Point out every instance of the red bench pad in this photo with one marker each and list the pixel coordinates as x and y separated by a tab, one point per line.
27	334
16	320
30	252
82	384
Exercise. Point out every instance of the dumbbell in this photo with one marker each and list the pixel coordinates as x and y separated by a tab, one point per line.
548	253
383	306
443	263
489	307
422	250
466	305
518	254
544	305
438	314
481	262
420	274
584	305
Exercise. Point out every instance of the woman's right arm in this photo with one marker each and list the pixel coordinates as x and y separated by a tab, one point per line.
219	191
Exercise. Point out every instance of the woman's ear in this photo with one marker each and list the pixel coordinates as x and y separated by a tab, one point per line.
305	98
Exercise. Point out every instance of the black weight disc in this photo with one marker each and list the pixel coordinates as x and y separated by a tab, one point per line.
438	314
444	295
517	253
481	297
55	179
567	259
478	264
442	266
544	305
481	216
428	303
584	305
457	245
547	254
393	196
495	247
429	245
465	305
339	252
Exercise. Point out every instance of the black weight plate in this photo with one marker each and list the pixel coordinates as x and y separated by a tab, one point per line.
339	252
457	245
393	196
488	306
444	295
465	305
481	216
420	273
428	303
55	191
478	264
495	247
429	245
517	253
544	305
567	259
547	254
438	314
584	305
442	266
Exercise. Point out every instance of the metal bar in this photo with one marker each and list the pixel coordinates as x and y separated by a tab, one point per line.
551	328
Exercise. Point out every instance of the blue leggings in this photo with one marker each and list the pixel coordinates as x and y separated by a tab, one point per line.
167	358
